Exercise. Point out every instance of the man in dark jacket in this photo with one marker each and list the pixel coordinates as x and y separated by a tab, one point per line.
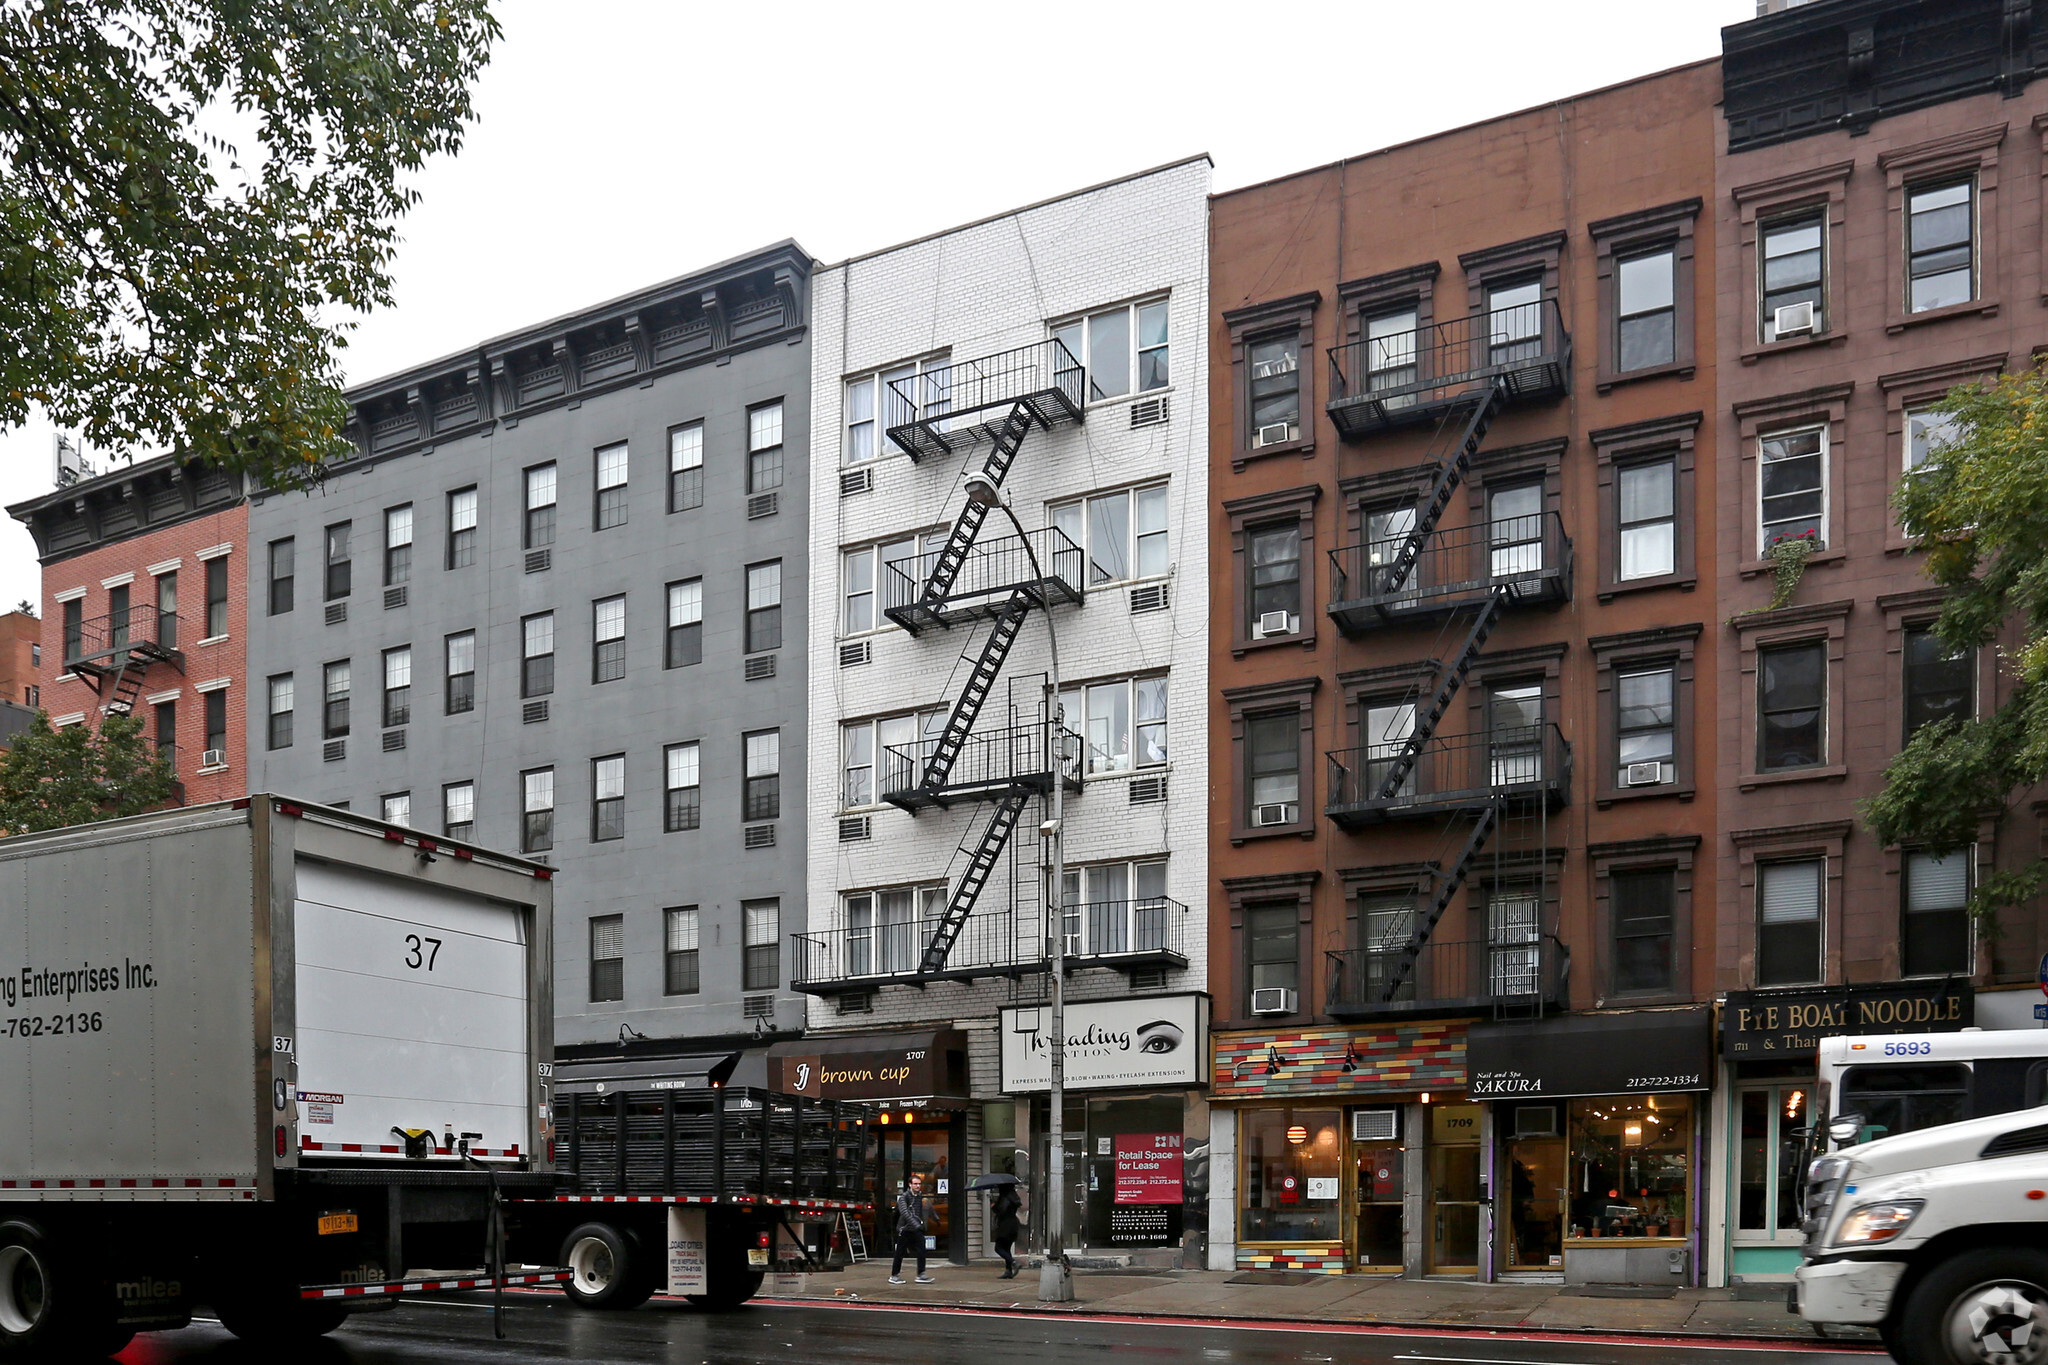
1003	1226
912	1213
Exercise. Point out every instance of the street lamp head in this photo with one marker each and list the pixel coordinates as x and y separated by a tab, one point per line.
982	491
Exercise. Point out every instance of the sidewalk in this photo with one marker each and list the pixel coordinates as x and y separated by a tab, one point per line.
1331	1298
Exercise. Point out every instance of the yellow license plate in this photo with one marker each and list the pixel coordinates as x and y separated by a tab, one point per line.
331	1223
757	1255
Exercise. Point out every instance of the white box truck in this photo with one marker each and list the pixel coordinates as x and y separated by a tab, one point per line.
265	1056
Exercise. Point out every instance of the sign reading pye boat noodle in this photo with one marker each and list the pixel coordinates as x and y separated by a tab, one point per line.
1111	1044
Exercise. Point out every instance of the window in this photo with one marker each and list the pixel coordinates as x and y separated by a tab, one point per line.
74	630
762	927
280	694
882	928
283	557
1514	734
1906	1098
684	801
1388	726
685	638
338	562
1792	270
397	544
217	720
764	447
1390	356
462	528
1938	685
1122	348
1514	940
458	810
608	798
1273	760
1275	389
539	529
1773	1160
1648	518
873	406
1276	576
167	609
537	662
537	793
398	808
216	597
611	486
608	639
1123	533
1935	938
1123	723
607	958
1792	706
1291	1183
868	768
1645	318
334	722
1387	530
167	732
35	656
686	467
460	651
1788	923
32	693
1927	431
1514	321
679	957
1642	905
1514	531
1940	245
398	685
118	616
877	577
1272	935
1792	487
1115	907
1645	724
764	606
762	798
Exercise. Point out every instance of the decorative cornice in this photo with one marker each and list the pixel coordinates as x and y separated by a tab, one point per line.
1951	373
1639	639
1643	433
1803	400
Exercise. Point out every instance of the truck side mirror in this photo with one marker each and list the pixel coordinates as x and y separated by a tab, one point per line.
1845	1128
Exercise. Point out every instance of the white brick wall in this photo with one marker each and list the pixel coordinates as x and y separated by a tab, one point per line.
981	289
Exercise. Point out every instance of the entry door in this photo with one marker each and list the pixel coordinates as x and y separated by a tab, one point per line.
1380	1185
1454	1208
1536	1194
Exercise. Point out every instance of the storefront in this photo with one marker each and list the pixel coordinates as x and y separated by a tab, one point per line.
1598	1142
1134	1122
1768	1040
1346	1150
918	1083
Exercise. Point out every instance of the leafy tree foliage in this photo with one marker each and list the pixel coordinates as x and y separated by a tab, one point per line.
163	286
51	778
1979	508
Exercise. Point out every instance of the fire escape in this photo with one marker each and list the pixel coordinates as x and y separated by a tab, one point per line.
114	653
1493	789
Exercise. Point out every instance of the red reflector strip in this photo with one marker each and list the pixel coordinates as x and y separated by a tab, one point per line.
544	874
463	855
428	846
394	836
353	1291
287	808
239	803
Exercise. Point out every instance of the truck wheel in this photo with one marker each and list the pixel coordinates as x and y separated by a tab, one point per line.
1984	1307
47	1305
606	1268
728	1291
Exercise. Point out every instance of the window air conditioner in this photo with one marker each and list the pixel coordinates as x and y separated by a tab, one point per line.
1273	623
1642	774
1273	1000
1273	434
213	758
1793	319
1375	1125
1277	813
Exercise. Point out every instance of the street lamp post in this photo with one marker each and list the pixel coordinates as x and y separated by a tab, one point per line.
1055	1277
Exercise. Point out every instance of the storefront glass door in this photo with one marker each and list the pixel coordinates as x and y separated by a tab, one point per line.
1536	1195
1380	1182
1770	1123
894	1155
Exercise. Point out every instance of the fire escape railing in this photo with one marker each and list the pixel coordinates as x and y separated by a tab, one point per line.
1530	556
1381	382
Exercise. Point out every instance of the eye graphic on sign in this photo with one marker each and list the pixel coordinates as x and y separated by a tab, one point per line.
1159	1036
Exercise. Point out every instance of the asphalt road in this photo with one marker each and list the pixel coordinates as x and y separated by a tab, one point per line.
546	1329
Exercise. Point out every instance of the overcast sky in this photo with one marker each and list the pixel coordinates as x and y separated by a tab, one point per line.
621	142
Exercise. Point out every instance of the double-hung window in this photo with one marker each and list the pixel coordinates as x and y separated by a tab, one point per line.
1514	734
891	398
1645	725
1792	472
397	808
686	467
1938	685
882	928
1386	727
1929	430
683	802
397	544
1646	520
539	528
608	798
1115	908
1275	382
1792	265
537	809
1940	244
1124	349
607	958
611	486
461	528
1788	930
216	718
167	608
1514	322
764	606
280	690
334	717
761	798
1646	319
216	597
679	951
877	577
1272	936
1514	530
761	930
459	651
1390	352
683	639
608	639
1122	534
1123	724
398	685
1935	937
1643	906
338	563
1273	759
283	574
886	755
1792	683
458	810
764	447
1276	579
537	660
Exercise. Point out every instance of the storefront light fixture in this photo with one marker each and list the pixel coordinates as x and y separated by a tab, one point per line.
1297	1135
1350	1060
1425	1097
1272	1060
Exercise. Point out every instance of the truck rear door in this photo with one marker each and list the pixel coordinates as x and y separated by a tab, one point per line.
411	1011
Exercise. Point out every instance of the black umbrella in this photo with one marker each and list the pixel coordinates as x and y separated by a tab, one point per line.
991	1181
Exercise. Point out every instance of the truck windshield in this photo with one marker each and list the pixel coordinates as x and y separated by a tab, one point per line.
1905	1099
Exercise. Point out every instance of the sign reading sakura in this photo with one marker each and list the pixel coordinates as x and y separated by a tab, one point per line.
1148	1168
1148	1041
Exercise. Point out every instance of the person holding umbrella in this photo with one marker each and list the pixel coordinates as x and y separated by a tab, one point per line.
1003	1217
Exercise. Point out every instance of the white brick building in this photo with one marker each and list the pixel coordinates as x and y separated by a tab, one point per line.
946	340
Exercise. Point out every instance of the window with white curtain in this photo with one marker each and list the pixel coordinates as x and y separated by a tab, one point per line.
1123	534
1115	907
891	398
1124	349
1122	723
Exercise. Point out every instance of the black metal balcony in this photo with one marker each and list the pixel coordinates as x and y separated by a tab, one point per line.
933	413
991	766
1126	936
104	645
1447	978
1523	765
992	571
1390	381
1530	556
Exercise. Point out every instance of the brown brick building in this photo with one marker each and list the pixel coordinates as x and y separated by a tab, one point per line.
1465	655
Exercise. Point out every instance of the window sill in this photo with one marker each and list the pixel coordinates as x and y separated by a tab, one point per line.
1675	370
1590	1243
1759	350
1244	455
66	677
210	640
207	772
1304	639
1829	772
1756	568
1134	396
1683	582
1129	774
1684	791
1304	830
1974	308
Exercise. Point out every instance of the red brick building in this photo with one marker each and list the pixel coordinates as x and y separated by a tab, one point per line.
145	585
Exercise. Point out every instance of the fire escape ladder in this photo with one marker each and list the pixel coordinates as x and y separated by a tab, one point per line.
981	680
1450	472
981	864
126	689
1009	436
1427	717
1403	964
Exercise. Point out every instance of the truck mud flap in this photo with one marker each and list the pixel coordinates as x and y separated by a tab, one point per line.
404	1288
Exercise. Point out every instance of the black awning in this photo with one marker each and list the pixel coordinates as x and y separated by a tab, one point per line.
1628	1052
596	1074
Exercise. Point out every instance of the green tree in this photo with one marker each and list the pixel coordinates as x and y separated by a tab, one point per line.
161	286
51	777
1978	507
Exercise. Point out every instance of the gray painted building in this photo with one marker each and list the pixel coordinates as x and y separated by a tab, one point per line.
557	604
